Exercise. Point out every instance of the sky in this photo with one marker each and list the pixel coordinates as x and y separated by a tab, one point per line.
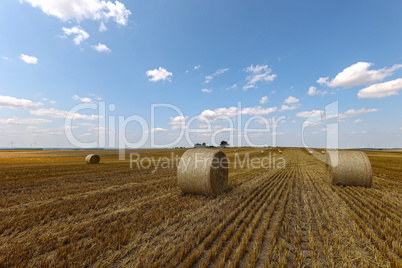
90	73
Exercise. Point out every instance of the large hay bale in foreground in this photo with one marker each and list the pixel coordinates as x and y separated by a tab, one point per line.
92	159
203	171
349	168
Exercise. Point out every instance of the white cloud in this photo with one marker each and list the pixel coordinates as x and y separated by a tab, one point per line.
354	113
220	71
206	90
80	34
293	104
87	124
52	102
263	100
101	48
24	121
102	27
159	74
289	107
178	122
55	113
14	103
361	132
358	74
358	121
197	67
219	112
157	130
313	113
85	100
208	78
291	100
381	90
313	91
29	59
258	110
258	73
232	87
272	92
80	10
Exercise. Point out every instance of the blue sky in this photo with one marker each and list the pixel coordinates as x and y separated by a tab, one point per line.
278	61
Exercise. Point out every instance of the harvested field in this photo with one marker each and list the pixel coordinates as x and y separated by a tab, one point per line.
55	210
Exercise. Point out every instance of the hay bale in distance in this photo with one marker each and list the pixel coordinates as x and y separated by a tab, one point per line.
235	151
349	168
92	159
262	152
203	171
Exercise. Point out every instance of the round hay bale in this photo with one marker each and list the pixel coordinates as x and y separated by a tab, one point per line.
235	151
311	152
349	168
203	171
323	152
262	152
92	159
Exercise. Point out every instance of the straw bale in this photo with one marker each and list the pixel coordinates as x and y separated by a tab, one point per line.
203	171
349	168
92	159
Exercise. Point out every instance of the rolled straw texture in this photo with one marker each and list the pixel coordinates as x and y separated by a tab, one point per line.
351	168
203	171
92	159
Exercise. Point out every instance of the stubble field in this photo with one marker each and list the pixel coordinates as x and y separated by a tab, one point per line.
55	210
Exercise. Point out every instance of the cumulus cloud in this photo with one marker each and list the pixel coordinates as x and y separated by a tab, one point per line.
102	27
232	87
358	74
257	74
80	10
291	104
206	90
381	90
29	59
208	78
14	103
354	113
178	122
78	32
55	113
159	74
221	113
291	100
263	100
197	67
157	130
24	121
258	110
313	91
101	48
358	121
307	114
85	100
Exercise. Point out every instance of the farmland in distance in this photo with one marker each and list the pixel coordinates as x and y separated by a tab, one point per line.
55	210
